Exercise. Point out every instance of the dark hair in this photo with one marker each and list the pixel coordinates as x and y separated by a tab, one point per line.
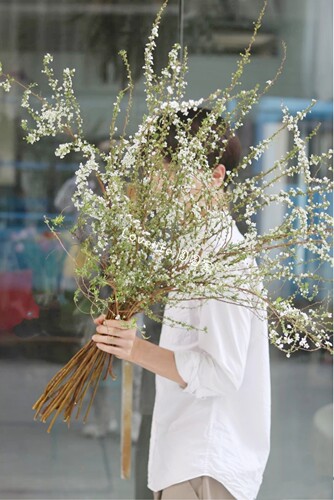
228	149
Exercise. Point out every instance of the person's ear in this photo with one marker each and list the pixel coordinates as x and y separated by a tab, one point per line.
218	175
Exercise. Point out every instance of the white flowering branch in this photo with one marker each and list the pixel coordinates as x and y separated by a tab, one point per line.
147	236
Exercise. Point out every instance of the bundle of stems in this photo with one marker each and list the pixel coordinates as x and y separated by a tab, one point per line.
66	392
67	389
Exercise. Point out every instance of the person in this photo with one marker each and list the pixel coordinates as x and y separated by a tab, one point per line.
211	421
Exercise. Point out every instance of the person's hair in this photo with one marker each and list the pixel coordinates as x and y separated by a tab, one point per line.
227	149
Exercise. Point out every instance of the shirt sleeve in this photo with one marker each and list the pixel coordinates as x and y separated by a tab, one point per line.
217	366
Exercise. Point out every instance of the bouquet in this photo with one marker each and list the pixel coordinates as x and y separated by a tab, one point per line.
148	236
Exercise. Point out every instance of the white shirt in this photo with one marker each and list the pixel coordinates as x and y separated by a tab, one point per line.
219	425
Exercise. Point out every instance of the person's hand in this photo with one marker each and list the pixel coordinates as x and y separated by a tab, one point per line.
114	336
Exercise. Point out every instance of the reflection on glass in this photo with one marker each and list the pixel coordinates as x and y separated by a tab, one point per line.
39	326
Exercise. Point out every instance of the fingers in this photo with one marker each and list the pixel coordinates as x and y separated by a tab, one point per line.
115	351
116	323
111	340
114	337
100	319
119	347
113	331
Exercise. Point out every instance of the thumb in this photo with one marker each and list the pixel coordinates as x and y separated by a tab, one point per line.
100	319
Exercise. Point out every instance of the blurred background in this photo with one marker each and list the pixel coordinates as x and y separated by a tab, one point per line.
40	329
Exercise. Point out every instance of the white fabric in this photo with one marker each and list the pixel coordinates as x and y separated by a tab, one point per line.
219	425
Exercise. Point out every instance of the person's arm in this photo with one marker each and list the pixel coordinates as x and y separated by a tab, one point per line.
123	343
217	366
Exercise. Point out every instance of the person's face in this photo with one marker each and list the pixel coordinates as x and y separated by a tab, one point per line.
218	176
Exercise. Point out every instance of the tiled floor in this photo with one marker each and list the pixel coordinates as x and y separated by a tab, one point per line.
64	464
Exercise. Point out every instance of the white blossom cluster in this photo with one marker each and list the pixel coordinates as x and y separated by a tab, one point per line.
6	81
58	115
